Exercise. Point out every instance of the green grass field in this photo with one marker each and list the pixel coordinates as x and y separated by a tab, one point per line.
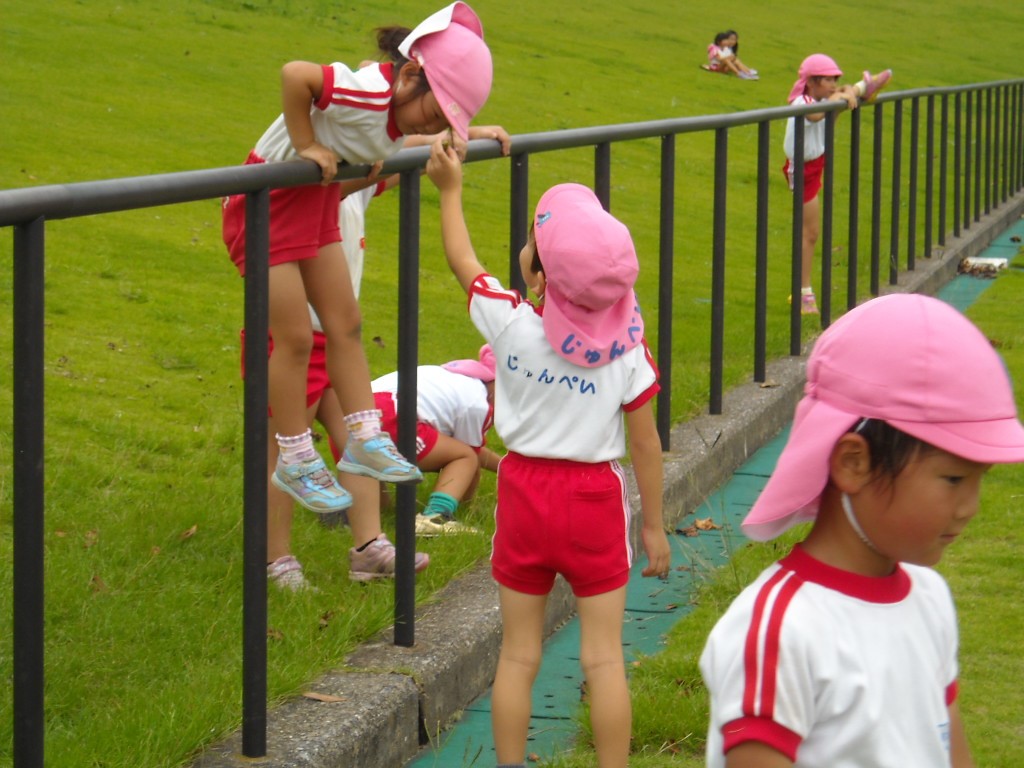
143	398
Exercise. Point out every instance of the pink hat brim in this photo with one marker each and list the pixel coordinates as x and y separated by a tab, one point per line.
591	338
794	489
463	33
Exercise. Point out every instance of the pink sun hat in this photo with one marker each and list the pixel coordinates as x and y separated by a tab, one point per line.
482	369
449	45
911	361
815	65
591	314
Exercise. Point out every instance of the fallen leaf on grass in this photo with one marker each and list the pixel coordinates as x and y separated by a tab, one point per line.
91	538
275	634
378	341
325	619
325	697
97	583
188	534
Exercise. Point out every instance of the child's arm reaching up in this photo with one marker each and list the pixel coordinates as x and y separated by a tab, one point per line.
445	170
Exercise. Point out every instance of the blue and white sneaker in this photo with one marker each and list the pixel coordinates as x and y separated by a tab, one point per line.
310	484
378	458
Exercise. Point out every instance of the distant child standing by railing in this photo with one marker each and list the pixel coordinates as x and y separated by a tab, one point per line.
439	76
817	83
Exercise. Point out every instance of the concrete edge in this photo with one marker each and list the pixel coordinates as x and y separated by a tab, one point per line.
394	699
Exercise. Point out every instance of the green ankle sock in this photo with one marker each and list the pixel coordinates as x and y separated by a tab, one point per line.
441	503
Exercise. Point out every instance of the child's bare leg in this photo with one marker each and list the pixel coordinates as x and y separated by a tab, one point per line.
456	464
812	226
293	339
605	673
329	288
364	514
458	468
522	619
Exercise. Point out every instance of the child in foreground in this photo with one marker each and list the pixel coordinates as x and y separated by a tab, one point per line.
817	82
844	653
567	372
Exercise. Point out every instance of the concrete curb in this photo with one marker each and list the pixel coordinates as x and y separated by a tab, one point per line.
395	699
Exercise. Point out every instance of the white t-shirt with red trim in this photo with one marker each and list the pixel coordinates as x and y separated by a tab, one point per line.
453	404
353	117
835	669
814	133
545	406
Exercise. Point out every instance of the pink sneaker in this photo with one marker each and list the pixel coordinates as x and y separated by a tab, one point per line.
377	561
874	83
286	573
808	304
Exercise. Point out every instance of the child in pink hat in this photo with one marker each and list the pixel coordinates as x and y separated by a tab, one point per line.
573	376
438	77
845	651
817	82
454	412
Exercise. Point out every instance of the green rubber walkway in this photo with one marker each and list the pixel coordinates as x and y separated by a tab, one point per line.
652	606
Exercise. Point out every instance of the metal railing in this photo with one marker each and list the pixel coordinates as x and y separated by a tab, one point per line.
987	154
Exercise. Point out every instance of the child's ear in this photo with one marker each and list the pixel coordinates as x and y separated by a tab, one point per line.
540	283
850	463
409	72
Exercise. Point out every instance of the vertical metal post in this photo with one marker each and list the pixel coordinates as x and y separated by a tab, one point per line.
519	216
408	341
603	174
718	268
943	169
854	218
27	481
989	144
761	254
666	277
979	140
915	148
254	494
968	157
894	223
876	203
825	297
797	234
929	182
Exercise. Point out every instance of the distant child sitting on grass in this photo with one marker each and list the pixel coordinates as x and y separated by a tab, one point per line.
844	653
454	411
568	371
817	83
723	56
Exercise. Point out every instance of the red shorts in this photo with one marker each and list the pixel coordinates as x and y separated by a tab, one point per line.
813	170
317	380
426	435
302	220
557	516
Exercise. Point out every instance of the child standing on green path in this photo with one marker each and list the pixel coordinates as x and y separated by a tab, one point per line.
569	372
439	76
844	653
817	83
